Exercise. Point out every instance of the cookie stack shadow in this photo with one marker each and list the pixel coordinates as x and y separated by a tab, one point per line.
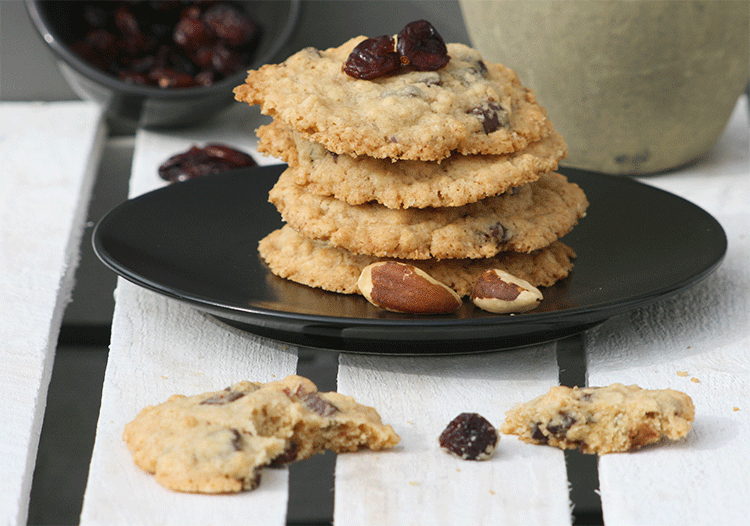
451	171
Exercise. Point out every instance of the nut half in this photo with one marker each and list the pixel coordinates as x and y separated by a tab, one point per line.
400	287
503	293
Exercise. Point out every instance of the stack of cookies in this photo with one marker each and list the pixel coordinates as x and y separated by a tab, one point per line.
451	171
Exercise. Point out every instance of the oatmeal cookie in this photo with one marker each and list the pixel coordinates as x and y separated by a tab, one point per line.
458	180
468	106
601	420
320	265
218	442
523	220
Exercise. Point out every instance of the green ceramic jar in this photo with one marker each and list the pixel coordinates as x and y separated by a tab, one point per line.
635	87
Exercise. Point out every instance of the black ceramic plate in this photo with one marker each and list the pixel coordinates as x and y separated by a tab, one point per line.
197	242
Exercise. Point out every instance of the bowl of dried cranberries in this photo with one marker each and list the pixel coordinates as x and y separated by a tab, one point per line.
162	63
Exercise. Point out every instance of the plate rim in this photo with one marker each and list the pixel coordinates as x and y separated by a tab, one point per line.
565	316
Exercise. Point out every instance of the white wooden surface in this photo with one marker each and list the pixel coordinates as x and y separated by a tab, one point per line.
417	483
697	342
48	158
161	347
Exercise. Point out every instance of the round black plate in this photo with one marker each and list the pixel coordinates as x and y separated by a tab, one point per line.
197	242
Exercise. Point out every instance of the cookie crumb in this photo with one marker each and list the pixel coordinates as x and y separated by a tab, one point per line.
682	373
735	409
694	380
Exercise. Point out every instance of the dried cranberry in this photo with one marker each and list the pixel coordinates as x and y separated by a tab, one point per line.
192	33
203	57
196	162
224	60
491	115
191	11
126	22
372	58
317	405
230	24
498	232
205	77
236	439
162	40
561	426
422	47
419	46
285	457
312	401
537	434
469	436
227	396
230	156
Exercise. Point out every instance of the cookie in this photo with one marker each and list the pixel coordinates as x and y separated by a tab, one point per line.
468	106
601	420
456	181
318	264
218	442
524	220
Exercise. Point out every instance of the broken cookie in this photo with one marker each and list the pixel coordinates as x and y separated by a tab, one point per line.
218	442
601	420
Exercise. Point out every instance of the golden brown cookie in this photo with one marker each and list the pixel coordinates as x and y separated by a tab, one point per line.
318	264
456	181
602	420
526	219
217	442
468	106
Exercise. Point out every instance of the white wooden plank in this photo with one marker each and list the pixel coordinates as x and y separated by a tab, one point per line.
417	483
161	347
697	342
48	157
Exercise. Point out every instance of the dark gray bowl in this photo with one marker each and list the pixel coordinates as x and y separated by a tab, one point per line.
147	106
